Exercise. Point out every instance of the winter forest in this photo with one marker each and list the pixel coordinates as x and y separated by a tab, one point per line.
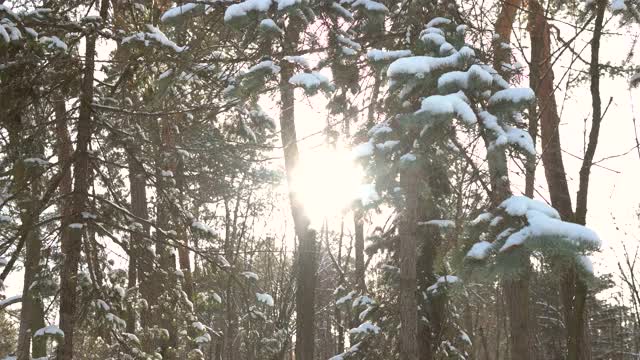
319	179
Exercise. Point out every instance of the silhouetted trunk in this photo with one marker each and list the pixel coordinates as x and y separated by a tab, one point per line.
72	245
306	259
358	223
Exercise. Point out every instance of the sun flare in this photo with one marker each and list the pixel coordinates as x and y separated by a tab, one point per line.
327	180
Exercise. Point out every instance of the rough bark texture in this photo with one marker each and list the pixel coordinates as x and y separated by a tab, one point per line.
408	232
504	27
573	290
429	240
358	222
27	186
516	289
549	119
141	263
306	262
72	245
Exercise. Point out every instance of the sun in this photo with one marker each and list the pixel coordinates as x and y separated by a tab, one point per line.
327	181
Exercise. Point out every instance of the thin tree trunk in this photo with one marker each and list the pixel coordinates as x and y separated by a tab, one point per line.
306	262
140	263
358	223
594	72
516	289
73	244
408	246
27	185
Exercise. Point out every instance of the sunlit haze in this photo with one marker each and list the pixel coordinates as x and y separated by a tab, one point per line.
327	180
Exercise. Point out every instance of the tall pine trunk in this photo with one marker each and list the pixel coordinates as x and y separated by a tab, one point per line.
73	243
27	186
573	289
358	223
408	232
516	288
306	262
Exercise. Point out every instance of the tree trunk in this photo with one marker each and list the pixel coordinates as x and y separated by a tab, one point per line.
408	246
140	263
517	288
27	186
306	262
573	290
504	27
358	223
72	245
549	119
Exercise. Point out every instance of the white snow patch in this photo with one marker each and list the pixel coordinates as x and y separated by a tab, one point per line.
309	81
515	95
484	217
53	42
266	64
176	11
586	263
439	223
387	145
438	21
370	5
345	298
49	330
448	105
250	275
298	60
270	25
365	327
408	158
519	205
265	298
480	250
342	11
443	280
362	150
544	220
283	4
387	55
242	9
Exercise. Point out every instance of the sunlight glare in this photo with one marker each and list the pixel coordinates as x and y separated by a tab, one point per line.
327	181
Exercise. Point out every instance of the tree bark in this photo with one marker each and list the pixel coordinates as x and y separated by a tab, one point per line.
358	223
408	232
72	246
27	186
596	103
306	262
516	289
573	290
549	119
504	27
140	263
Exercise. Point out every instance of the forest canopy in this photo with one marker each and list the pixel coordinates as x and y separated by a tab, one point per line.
319	179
